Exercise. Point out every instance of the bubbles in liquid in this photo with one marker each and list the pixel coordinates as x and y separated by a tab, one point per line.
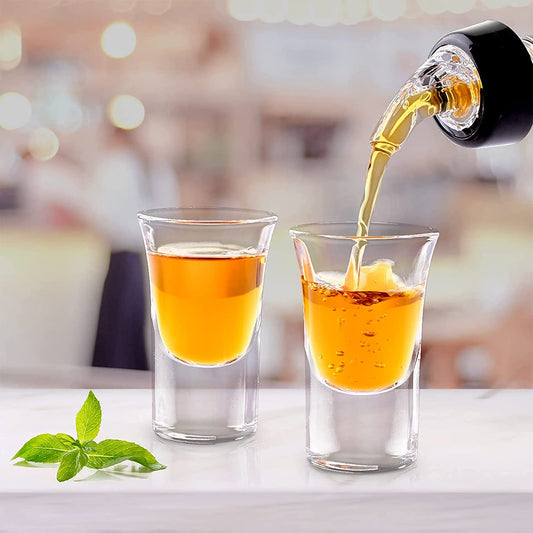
341	338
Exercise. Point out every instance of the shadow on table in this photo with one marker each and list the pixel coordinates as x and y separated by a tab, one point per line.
116	473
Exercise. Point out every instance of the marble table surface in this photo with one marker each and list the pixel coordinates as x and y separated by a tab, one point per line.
474	472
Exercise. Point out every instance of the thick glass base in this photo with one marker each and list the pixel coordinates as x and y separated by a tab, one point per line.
203	435
362	432
360	464
205	405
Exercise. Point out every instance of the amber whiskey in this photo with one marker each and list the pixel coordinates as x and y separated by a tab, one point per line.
363	340
207	299
413	103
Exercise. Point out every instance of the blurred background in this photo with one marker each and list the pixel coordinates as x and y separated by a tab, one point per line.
108	107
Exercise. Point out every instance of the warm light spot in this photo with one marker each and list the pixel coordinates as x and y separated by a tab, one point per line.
299	12
118	40
494	4
460	6
273	11
433	7
519	3
126	112
15	111
244	9
354	11
10	46
43	144
326	12
388	9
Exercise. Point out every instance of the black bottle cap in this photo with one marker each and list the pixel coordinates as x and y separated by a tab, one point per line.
506	72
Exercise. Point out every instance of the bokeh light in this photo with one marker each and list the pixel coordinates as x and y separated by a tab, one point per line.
494	4
354	11
326	12
519	3
15	111
433	7
244	9
388	9
10	46
118	40
43	144
299	12
126	112
460	6
274	11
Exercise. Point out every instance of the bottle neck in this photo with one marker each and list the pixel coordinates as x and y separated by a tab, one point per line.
447	85
450	66
498	64
477	84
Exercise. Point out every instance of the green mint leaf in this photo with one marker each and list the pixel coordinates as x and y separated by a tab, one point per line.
88	445
44	448
111	452
73	454
71	464
67	439
88	419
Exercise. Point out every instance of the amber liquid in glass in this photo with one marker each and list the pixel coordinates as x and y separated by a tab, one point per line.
362	340
207	301
404	112
362	329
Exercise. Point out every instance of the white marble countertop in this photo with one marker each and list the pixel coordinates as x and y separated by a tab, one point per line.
475	471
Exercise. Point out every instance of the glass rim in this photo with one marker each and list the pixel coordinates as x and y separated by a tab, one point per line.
247	216
320	229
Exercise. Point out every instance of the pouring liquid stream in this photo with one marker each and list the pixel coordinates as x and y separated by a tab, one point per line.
363	324
410	106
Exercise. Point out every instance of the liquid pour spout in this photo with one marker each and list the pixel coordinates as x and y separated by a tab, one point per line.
446	85
477	84
503	64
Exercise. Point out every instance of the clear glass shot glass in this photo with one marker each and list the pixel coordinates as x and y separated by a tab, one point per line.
206	269
362	340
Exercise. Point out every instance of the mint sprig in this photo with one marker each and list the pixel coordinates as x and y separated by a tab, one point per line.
88	419
73	454
71	463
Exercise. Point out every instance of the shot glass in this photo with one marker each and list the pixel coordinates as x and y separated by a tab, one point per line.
362	341
206	271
